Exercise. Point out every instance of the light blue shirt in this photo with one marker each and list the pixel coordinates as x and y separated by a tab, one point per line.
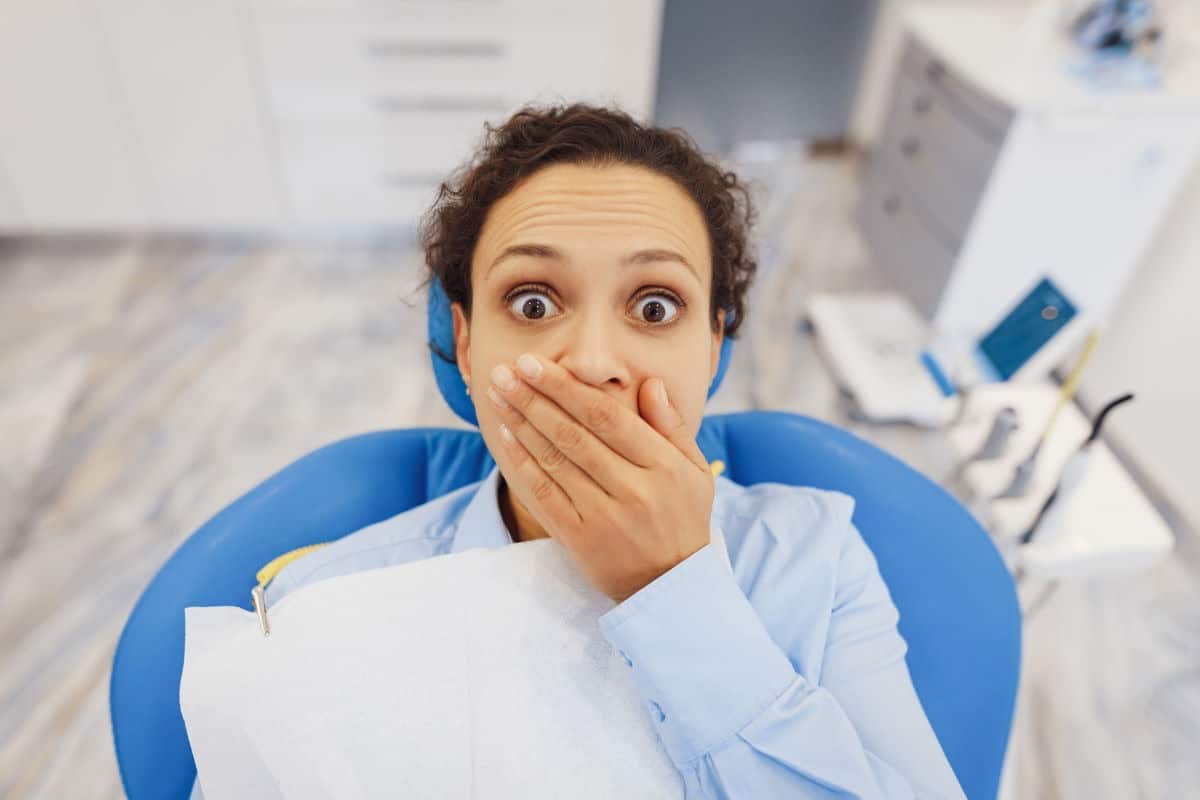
784	677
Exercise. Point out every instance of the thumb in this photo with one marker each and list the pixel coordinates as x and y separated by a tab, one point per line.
655	407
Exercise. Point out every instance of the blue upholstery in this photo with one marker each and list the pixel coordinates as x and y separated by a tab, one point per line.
958	608
957	602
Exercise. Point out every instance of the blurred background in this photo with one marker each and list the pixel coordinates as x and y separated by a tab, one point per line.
208	267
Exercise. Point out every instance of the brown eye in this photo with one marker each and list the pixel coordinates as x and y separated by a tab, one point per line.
532	305
656	308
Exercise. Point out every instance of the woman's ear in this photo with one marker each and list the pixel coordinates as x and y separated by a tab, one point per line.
462	341
718	340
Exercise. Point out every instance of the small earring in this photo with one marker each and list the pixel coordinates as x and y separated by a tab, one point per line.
468	390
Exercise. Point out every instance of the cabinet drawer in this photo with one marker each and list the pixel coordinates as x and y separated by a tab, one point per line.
328	198
367	147
343	171
902	242
361	50
943	161
317	69
375	9
10	212
315	101
987	116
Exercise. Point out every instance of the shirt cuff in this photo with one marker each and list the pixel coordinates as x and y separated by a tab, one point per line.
701	657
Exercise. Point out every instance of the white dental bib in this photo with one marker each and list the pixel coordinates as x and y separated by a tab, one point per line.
480	675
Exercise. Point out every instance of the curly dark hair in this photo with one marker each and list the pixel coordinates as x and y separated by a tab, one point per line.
534	138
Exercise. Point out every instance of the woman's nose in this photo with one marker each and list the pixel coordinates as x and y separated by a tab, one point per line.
592	354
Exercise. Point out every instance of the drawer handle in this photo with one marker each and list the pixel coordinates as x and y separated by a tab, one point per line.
383	49
444	104
910	146
411	180
891	204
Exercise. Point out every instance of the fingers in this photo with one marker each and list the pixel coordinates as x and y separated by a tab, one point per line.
547	482
665	419
619	428
551	428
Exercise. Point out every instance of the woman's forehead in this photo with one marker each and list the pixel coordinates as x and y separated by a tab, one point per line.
604	211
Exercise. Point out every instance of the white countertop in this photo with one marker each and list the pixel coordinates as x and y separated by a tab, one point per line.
1109	525
1017	53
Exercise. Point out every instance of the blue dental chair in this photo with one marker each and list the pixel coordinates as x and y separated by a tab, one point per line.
957	602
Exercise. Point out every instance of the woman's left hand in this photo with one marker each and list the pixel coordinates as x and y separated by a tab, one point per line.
628	495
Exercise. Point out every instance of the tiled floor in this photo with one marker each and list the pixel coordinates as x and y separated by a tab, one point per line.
147	383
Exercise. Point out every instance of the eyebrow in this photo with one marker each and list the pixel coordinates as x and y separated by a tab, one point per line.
535	250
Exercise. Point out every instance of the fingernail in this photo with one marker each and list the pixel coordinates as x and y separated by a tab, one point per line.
506	434
495	397
503	377
662	392
529	366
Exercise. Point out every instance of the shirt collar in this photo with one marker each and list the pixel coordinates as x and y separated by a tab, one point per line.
480	524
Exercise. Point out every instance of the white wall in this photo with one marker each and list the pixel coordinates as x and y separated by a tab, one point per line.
1151	348
883	52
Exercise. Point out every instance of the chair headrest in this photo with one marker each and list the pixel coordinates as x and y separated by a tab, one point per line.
450	382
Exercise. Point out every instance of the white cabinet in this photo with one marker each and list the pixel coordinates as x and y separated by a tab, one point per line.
995	167
253	113
64	137
924	180
1077	202
188	88
375	105
10	212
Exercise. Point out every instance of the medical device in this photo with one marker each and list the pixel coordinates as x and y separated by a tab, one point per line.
895	368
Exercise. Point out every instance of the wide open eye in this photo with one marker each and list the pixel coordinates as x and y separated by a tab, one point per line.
532	304
656	308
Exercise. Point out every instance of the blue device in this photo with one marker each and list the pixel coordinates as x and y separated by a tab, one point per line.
1013	341
1037	318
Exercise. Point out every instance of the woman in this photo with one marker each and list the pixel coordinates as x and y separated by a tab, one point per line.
594	266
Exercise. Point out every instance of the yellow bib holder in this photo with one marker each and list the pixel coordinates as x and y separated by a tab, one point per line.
264	576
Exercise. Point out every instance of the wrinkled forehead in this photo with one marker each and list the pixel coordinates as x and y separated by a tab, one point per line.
605	212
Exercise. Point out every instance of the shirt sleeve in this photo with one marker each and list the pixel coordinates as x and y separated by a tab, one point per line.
739	721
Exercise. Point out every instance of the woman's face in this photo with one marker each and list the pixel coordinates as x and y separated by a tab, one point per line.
606	271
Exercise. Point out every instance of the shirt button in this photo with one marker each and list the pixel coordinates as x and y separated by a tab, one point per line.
658	712
628	663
